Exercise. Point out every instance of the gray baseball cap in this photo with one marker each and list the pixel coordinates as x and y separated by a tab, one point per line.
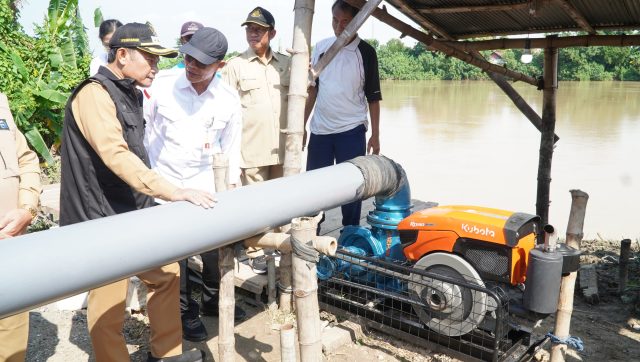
207	45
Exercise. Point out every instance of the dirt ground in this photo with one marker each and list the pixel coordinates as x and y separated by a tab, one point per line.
610	329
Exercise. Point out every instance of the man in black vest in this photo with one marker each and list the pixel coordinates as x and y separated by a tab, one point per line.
105	171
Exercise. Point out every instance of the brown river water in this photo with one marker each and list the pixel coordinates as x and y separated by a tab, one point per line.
464	142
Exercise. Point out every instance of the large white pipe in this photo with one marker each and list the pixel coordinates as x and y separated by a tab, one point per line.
47	266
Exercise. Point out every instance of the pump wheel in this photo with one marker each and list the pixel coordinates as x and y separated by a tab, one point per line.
449	309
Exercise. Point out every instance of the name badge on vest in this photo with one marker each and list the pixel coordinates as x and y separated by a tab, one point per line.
4	126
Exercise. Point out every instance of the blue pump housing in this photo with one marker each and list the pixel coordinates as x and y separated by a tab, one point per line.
382	240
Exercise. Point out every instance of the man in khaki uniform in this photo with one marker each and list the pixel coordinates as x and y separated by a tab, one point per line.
19	198
261	77
105	171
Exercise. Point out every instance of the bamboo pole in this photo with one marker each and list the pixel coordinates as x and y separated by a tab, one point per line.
623	272
567	285
548	132
345	37
282	242
287	343
576	15
226	293
420	36
515	97
303	18
305	289
541	43
298	84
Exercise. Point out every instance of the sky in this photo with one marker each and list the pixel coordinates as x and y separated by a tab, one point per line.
226	16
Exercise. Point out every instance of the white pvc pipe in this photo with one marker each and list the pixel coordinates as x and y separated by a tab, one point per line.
43	267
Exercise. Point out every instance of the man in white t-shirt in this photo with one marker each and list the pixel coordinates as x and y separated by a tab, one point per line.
345	90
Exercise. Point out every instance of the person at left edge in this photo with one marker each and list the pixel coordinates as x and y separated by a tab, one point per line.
192	115
105	171
19	198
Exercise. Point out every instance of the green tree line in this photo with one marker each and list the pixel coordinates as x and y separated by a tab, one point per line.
400	62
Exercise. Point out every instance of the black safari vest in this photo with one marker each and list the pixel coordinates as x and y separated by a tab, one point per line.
89	189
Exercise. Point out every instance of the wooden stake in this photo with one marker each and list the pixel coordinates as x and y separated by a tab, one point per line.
226	293
547	136
567	286
623	272
305	290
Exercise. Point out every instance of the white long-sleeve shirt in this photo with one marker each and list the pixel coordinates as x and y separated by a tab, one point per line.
184	130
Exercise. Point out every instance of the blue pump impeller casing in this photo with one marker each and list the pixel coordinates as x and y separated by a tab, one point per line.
382	240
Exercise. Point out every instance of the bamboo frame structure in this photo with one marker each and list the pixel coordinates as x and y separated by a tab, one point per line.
226	264
549	42
430	41
303	18
567	285
516	98
305	290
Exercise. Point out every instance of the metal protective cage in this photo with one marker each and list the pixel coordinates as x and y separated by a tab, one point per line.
387	296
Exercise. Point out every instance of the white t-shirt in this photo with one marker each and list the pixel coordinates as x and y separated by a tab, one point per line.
345	87
96	62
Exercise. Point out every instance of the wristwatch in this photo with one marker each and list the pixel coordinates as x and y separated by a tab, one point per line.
32	210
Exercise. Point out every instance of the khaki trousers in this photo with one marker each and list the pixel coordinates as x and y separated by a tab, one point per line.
106	313
14	333
258	174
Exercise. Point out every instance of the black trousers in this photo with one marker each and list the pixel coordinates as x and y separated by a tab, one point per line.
210	278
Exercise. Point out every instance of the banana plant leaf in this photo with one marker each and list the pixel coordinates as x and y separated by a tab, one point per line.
79	34
53	96
55	58
17	61
68	52
97	17
37	142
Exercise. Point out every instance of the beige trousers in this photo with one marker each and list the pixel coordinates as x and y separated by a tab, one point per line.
258	174
106	313
14	332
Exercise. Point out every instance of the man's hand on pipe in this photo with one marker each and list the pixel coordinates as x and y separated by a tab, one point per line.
197	197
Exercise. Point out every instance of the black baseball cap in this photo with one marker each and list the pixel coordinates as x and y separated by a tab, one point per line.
142	37
261	17
207	45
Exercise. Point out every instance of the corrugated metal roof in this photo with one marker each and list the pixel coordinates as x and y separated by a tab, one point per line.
550	16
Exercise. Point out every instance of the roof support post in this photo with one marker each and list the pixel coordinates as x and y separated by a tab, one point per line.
303	18
548	129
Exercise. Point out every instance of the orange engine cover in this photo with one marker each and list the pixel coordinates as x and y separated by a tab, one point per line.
496	242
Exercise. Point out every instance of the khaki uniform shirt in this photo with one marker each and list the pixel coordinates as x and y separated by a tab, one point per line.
263	90
19	169
95	114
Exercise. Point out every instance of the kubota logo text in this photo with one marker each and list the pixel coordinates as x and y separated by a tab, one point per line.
472	229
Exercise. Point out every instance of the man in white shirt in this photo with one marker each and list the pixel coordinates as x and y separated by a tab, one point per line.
191	115
345	90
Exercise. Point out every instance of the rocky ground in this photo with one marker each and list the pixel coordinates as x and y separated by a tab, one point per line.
610	329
